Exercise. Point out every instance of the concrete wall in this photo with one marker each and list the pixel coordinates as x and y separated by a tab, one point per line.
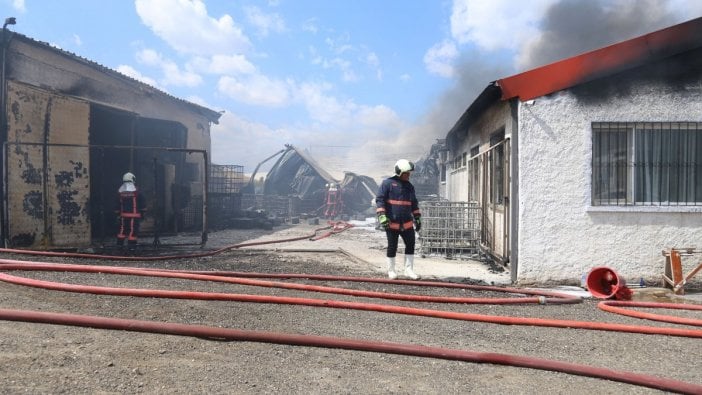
561	236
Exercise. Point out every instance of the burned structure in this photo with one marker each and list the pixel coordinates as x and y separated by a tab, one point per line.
71	127
297	185
589	161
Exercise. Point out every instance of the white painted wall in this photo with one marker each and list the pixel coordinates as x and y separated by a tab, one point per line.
561	236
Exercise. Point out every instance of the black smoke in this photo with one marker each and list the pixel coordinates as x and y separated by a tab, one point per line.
569	28
572	27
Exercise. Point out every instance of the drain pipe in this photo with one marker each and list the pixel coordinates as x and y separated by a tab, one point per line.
208	332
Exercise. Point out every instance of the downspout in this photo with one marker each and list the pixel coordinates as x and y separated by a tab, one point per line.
514	193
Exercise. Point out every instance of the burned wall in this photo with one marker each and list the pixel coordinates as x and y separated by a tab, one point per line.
37	64
47	168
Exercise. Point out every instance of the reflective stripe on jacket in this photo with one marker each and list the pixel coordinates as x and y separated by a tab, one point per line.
397	200
130	204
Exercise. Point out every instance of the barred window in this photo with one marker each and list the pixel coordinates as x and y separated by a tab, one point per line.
646	163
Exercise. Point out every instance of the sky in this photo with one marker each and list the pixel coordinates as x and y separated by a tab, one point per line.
356	83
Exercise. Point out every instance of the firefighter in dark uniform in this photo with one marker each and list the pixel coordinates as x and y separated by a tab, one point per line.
130	210
398	213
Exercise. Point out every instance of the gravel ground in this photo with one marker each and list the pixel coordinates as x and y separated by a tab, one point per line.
42	358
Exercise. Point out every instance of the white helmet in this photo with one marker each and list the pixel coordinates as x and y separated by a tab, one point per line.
403	166
128	177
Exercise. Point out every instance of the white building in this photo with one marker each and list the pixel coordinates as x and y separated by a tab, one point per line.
594	160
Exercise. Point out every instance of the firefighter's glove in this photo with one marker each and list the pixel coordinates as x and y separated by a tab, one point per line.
417	223
383	220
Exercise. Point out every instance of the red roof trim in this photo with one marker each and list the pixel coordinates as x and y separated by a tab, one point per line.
601	62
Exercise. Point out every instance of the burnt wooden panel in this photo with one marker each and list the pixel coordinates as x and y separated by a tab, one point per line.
48	181
69	181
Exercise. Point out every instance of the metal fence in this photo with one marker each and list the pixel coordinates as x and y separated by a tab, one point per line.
450	229
226	179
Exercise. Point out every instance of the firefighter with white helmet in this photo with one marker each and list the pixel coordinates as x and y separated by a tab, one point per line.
398	213
130	210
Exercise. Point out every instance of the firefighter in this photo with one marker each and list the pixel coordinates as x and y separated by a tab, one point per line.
398	213
130	210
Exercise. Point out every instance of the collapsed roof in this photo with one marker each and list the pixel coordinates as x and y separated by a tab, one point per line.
297	174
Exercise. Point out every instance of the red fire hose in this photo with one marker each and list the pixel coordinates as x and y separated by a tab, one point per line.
336	227
544	297
317	341
17	265
616	307
348	344
230	334
304	301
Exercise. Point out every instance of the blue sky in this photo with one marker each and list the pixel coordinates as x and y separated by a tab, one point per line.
358	83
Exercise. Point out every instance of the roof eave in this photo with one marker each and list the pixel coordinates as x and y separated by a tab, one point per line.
605	61
488	96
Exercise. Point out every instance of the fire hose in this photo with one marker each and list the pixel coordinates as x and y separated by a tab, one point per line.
316	341
335	227
348	344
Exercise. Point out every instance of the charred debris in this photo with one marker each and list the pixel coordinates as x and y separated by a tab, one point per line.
297	188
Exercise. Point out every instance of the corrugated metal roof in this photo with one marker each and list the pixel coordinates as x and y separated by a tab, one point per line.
207	112
605	61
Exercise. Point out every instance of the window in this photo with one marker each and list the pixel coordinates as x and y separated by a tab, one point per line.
646	163
459	161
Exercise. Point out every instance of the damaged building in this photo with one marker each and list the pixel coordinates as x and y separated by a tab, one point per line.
594	160
71	128
297	185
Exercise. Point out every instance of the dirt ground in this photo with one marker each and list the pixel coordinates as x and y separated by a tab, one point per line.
43	358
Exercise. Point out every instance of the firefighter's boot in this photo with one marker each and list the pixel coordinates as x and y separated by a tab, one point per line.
409	266
391	268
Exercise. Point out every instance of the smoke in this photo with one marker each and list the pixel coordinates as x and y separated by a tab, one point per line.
568	28
473	76
571	27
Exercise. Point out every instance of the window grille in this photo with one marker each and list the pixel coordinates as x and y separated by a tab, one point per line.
647	163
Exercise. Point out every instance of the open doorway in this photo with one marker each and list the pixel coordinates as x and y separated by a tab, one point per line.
121	141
